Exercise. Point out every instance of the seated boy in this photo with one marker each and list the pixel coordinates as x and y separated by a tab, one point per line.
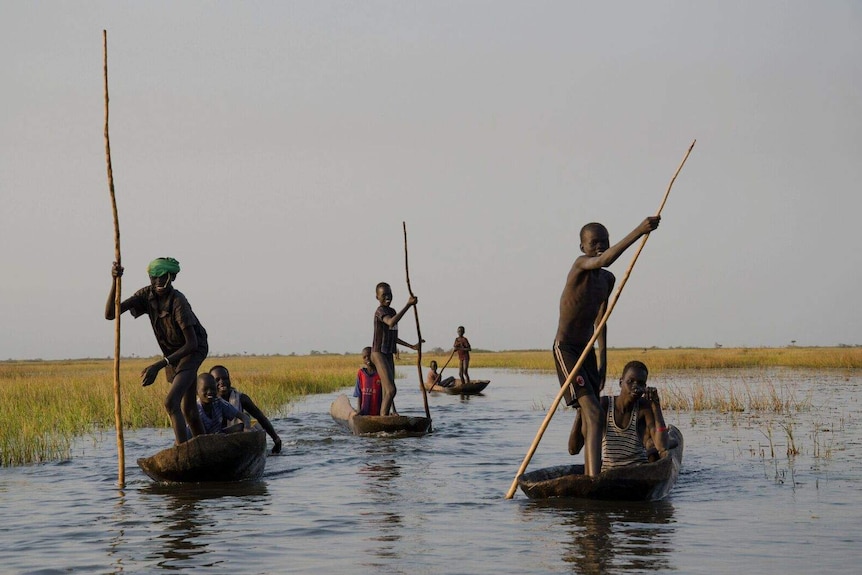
433	378
214	411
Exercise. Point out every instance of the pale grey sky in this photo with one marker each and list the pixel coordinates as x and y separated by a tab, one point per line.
274	148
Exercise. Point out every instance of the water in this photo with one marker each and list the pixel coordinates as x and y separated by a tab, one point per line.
335	503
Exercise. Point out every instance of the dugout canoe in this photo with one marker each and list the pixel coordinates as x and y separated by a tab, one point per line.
475	387
217	457
344	413
647	482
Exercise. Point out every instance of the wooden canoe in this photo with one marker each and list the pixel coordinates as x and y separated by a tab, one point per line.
346	415
475	387
216	457
647	482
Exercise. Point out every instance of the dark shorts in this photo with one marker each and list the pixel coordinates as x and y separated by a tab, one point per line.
587	380
191	361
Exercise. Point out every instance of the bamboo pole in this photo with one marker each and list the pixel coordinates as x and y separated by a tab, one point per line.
118	406
589	345
418	330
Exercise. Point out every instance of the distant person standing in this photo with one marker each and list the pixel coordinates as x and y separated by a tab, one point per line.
385	343
462	346
582	305
181	337
243	402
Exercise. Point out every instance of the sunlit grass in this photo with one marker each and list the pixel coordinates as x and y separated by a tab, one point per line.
44	405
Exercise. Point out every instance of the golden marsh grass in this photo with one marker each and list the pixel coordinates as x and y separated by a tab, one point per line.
44	405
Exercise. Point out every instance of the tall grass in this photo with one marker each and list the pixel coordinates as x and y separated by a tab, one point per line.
44	405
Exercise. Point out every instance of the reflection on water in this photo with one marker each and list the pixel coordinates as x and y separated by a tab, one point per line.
336	503
599	535
190	516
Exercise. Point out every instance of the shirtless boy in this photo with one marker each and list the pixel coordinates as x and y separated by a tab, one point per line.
582	305
462	346
385	343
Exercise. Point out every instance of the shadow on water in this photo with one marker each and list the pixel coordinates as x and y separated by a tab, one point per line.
384	522
604	536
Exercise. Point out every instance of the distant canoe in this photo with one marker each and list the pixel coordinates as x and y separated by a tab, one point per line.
216	457
647	482
475	387
343	413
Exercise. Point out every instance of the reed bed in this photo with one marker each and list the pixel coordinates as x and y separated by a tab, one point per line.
45	405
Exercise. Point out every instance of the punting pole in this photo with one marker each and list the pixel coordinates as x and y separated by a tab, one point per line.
418	330
118	407
589	345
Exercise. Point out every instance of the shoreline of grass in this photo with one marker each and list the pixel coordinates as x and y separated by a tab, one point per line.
44	404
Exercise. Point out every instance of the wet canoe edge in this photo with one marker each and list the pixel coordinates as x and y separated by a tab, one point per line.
210	458
397	425
475	387
648	482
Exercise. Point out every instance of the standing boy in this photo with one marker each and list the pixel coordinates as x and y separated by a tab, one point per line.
582	305
386	342
181	337
462	346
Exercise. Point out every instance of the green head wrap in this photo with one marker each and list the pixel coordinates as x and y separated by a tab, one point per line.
161	266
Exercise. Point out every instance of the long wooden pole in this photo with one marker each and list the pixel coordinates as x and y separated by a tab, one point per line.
118	406
418	329
589	345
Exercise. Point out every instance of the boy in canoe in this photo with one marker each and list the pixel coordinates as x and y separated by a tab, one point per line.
582	305
215	413
242	402
632	420
462	346
385	343
433	378
181	337
368	387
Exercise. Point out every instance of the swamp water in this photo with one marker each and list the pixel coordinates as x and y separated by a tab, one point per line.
335	503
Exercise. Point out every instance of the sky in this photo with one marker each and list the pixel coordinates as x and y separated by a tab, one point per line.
275	148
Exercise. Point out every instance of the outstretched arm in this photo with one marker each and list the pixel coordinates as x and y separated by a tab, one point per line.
611	254
249	406
149	373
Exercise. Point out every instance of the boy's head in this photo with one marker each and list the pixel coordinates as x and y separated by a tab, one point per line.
433	365
460	330
384	294
221	376
366	356
206	388
634	378
162	272
594	239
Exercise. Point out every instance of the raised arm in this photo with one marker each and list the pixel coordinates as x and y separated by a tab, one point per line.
610	255
393	320
654	419
110	309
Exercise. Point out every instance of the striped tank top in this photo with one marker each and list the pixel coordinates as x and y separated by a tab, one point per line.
621	447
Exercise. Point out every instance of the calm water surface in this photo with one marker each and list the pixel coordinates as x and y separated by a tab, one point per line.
334	503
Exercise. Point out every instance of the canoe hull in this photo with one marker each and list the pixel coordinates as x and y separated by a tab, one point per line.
648	482
206	458
343	413
475	387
